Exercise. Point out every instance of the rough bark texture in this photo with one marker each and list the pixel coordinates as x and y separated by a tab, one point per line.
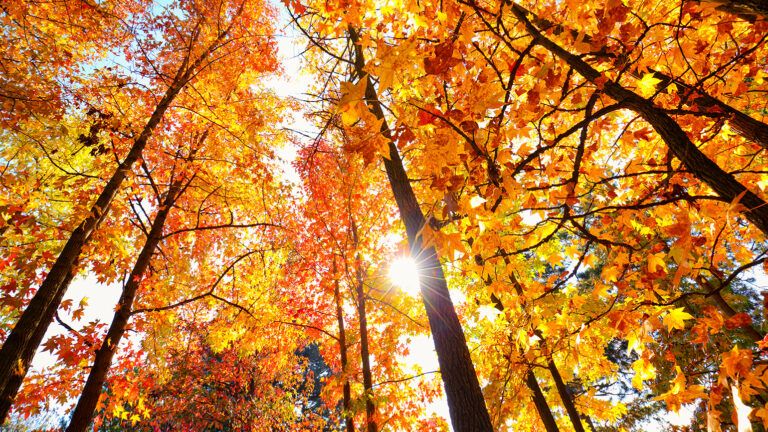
462	389
349	423
541	403
86	405
14	383
39	313
370	408
723	183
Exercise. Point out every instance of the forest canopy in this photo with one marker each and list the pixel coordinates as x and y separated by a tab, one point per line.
278	210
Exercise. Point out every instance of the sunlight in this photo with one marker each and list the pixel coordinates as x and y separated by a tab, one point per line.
404	274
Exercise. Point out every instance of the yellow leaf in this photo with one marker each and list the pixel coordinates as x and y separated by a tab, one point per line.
675	319
737	362
644	370
656	261
647	85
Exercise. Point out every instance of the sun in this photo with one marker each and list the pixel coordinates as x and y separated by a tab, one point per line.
404	274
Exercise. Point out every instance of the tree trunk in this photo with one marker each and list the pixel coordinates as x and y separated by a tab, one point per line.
370	408
349	423
723	183
462	389
562	389
14	383
751	10
43	306
565	396
86	405
541	403
14	355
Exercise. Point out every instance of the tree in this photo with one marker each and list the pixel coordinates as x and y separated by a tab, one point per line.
205	36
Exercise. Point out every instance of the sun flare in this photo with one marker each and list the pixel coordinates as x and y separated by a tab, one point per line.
404	274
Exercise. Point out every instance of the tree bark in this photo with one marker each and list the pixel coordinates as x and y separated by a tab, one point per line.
349	423
15	354
751	10
565	396
562	389
541	403
86	405
13	358
14	383
723	183
370	408
462	389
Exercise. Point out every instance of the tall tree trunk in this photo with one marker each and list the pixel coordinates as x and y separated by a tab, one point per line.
16	353
565	396
562	389
349	423
370	408
38	315
86	405
15	381
541	403
723	183
462	389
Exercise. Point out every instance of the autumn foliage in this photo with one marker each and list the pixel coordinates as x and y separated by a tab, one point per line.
583	186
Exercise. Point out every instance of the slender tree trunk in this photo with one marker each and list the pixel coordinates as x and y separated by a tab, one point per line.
14	359
86	405
541	403
562	389
462	389
14	355
565	396
15	381
723	183
370	408
349	423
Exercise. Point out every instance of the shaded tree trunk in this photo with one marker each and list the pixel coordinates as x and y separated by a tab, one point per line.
86	405
562	389
349	423
370	408
14	383
462	389
38	315
541	403
565	396
748	127
15	354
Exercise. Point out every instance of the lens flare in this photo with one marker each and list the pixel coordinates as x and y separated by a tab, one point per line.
404	274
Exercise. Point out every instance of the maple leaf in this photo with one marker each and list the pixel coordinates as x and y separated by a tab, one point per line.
676	318
656	262
442	61
646	86
737	362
